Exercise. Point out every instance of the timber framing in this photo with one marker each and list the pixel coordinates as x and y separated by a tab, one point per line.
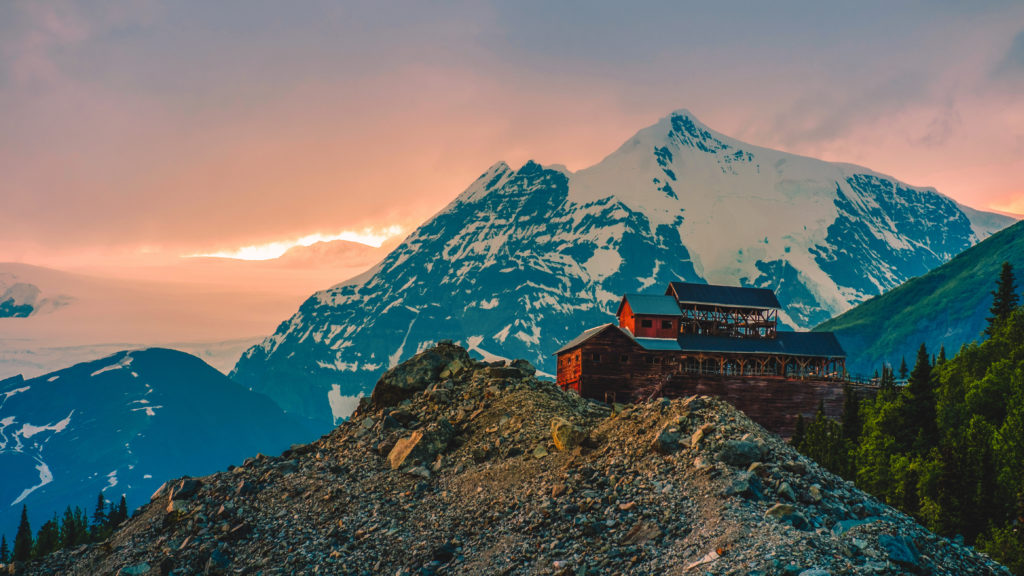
719	340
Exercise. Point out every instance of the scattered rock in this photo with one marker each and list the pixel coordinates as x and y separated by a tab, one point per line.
700	433
641	533
134	570
666	441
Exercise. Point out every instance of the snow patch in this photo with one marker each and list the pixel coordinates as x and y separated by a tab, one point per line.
111	480
29	430
123	363
45	477
489	304
10	393
342	406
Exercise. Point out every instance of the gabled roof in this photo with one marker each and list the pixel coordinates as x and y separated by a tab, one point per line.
690	293
586	335
651	304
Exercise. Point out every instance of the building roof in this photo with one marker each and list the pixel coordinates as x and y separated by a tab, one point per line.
586	335
817	344
820	344
651	304
723	295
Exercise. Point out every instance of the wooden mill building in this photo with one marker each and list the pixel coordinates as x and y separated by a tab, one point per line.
705	339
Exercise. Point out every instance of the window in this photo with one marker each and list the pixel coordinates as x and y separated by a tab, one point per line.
624	358
646	323
657	359
596	357
666	324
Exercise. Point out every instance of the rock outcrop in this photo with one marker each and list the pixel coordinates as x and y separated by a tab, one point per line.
487	470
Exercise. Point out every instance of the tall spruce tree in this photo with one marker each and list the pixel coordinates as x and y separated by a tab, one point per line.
99	514
851	414
1004	299
920	404
122	511
48	538
4	552
23	539
903	368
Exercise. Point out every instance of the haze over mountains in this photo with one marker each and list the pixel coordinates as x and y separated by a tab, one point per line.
212	307
525	259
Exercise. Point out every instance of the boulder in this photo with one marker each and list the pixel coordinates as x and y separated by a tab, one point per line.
787	514
745	484
184	489
565	435
524	367
900	549
423	445
417	373
739	453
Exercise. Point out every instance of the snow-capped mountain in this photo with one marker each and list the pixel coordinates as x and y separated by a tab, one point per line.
524	260
20	299
124	425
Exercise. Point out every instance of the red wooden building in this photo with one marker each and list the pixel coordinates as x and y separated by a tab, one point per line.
699	338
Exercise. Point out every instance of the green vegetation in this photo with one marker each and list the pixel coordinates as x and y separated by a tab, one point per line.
945	307
72	530
947	448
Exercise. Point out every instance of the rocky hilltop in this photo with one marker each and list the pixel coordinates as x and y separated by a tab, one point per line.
456	466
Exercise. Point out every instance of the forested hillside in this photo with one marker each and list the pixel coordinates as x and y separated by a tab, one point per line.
947	448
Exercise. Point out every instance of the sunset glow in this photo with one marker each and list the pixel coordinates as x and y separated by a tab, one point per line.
369	236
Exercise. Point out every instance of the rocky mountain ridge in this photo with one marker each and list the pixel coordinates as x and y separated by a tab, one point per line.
457	466
524	260
121	425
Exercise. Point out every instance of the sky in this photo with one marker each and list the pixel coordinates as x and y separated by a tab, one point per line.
135	130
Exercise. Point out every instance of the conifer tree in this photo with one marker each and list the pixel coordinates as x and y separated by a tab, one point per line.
4	552
122	510
903	369
920	405
1004	299
23	539
99	514
851	414
68	529
887	386
798	432
48	538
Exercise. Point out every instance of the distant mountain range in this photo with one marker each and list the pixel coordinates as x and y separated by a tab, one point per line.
19	299
213	308
948	306
525	259
125	424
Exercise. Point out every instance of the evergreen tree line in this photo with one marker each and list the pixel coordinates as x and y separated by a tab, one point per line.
947	448
72	529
